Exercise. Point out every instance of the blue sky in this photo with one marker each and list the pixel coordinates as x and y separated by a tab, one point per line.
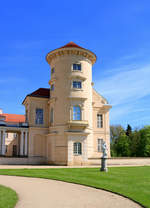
117	31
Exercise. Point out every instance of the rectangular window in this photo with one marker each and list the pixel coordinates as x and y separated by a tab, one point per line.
39	116
99	145
77	84
77	148
76	67
76	113
99	121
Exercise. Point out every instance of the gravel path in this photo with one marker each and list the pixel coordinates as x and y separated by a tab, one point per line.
44	193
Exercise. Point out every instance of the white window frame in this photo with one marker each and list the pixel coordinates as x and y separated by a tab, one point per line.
77	148
76	70
76	88
76	113
99	144
99	120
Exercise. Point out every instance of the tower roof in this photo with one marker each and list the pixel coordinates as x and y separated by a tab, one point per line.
73	48
71	45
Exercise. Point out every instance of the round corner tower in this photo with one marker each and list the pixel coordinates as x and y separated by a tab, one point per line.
71	124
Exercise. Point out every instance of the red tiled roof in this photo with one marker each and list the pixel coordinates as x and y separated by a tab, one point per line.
41	92
13	117
71	45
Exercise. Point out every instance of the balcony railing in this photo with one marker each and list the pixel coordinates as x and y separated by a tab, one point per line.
76	123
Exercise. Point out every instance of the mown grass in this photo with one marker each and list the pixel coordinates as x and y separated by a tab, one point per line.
8	197
132	182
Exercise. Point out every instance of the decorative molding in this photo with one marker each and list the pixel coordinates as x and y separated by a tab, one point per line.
77	76
52	100
52	81
77	98
74	51
76	133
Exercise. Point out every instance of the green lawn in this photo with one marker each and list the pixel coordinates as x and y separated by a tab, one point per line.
8	197
133	182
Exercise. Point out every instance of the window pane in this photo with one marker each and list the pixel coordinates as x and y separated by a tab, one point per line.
77	84
99	121
77	148
39	116
100	142
77	67
76	113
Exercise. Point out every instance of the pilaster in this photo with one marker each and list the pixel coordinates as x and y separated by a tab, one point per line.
21	143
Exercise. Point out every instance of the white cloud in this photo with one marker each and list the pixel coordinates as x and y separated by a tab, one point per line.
125	86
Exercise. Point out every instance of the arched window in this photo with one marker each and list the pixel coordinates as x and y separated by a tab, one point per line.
52	115
76	113
77	148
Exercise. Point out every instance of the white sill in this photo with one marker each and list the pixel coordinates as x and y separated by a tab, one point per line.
77	71
76	89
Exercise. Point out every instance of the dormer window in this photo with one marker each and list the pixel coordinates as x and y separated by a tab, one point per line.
77	84
76	67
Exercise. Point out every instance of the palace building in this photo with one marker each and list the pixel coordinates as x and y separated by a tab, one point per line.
65	124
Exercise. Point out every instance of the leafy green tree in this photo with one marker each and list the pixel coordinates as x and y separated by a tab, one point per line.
123	146
130	143
143	149
128	130
115	132
134	142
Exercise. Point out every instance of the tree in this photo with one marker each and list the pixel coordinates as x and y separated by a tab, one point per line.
143	149
130	143
123	146
134	142
128	130
115	132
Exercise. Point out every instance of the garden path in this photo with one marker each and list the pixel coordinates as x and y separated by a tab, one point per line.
45	193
